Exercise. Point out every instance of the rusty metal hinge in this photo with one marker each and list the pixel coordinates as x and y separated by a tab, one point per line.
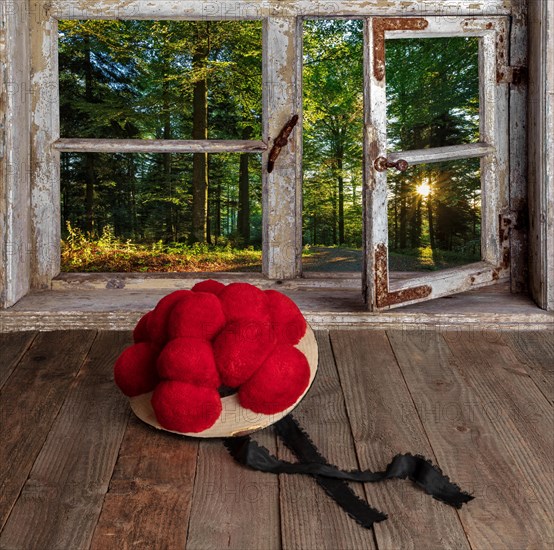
513	75
517	219
280	141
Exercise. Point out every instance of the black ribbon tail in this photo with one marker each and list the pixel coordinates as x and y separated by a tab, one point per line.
427	476
248	453
330	478
333	480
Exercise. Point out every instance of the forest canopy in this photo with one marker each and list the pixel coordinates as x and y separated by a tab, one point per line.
203	80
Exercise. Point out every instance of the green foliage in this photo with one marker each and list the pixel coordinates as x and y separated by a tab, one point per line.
333	123
136	79
89	252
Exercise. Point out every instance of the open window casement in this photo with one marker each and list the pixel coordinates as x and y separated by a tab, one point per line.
492	150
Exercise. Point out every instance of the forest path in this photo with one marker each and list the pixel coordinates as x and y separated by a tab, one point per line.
332	259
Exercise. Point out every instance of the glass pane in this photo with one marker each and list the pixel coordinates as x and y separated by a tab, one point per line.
160	79
134	212
435	216
432	92
333	143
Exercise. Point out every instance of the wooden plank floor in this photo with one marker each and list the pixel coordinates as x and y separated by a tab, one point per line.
80	471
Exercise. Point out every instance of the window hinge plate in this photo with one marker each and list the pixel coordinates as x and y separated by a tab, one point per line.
515	75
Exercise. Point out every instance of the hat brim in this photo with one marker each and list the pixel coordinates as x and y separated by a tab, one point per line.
235	420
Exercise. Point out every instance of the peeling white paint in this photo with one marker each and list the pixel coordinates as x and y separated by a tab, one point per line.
37	260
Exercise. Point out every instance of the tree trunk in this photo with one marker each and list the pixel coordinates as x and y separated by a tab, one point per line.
243	221
89	192
431	221
218	211
415	225
170	226
335	216
340	182
403	215
200	131
89	157
395	215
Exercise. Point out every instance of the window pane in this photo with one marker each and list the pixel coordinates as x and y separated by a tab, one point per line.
432	92
160	79
134	212
435	216
333	144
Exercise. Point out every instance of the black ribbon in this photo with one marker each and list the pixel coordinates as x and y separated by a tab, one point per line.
333	480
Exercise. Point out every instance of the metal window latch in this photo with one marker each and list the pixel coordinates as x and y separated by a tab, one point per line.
280	141
382	164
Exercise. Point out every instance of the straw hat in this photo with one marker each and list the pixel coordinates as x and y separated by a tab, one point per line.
218	361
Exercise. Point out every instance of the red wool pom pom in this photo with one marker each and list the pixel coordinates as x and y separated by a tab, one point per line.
185	408
135	369
189	360
159	316
211	286
198	315
140	333
287	320
278	383
240	349
242	301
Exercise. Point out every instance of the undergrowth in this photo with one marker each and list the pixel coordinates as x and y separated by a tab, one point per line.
83	252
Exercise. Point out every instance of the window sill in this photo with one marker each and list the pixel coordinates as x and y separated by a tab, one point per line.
116	302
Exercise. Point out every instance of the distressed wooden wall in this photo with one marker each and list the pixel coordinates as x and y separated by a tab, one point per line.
518	206
258	9
14	153
541	154
45	165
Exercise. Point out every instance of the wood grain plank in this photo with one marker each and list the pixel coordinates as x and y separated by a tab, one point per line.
515	406
441	154
519	129
233	507
384	422
149	499
15	189
535	350
256	9
282	188
12	348
462	430
30	402
541	141
61	501
309	518
44	168
159	145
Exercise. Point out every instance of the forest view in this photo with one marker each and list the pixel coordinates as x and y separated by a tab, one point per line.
202	212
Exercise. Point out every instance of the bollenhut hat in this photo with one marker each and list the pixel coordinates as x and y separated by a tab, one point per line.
218	361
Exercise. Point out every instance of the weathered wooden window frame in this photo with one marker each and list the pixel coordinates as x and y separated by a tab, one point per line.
493	151
29	189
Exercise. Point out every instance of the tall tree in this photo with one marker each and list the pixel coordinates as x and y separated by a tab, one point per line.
333	118
243	218
200	131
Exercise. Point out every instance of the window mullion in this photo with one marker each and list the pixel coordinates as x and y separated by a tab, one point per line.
282	190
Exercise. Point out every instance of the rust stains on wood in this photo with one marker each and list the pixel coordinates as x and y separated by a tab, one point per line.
384	24
381	274
407	295
385	298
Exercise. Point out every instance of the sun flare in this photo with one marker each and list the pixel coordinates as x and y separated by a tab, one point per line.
423	189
